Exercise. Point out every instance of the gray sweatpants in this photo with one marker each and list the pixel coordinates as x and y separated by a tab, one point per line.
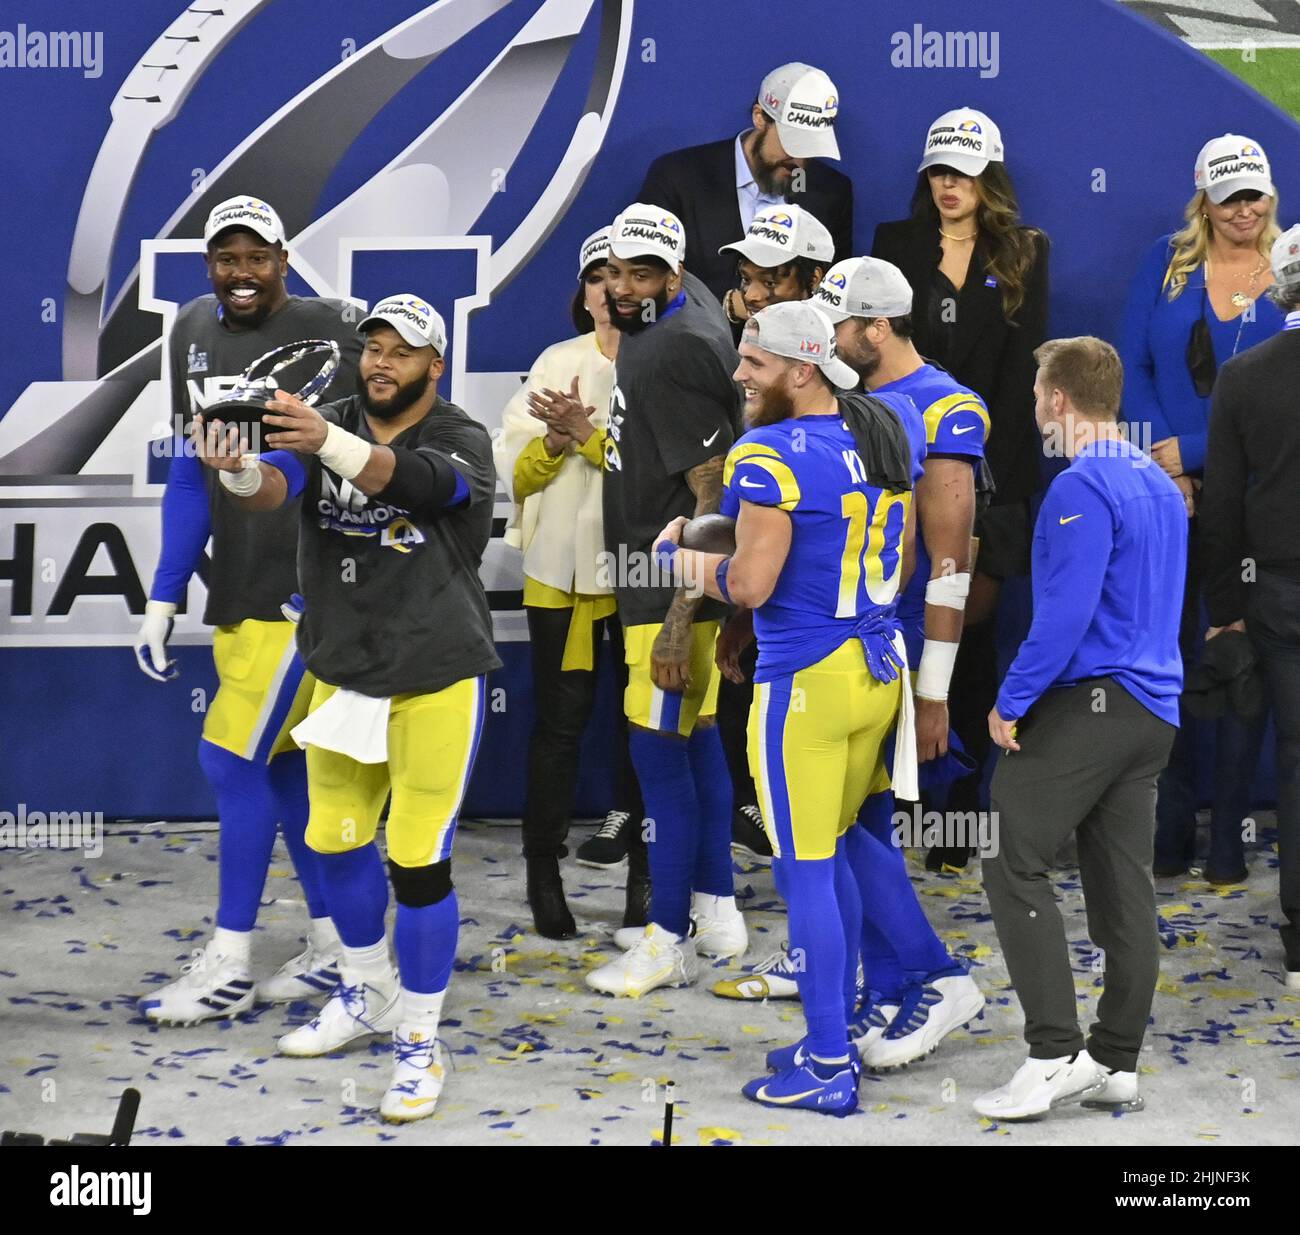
1088	762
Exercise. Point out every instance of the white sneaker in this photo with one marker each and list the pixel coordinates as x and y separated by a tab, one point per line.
721	937
870	1020
658	958
210	986
927	1015
1040	1085
1293	979
310	974
355	1010
417	1079
1120	1092
773	978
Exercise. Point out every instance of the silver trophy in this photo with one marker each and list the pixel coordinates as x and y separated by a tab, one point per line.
310	365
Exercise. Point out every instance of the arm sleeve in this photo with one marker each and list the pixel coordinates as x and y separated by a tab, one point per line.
1141	400
1192	450
1222	508
535	469
451	469
694	422
186	525
293	468
593	449
1066	591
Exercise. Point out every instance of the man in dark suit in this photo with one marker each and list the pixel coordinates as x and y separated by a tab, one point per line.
1249	510
716	189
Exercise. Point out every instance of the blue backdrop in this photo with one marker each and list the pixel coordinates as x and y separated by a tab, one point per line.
1101	113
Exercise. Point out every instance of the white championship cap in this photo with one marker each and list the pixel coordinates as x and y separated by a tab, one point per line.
863	287
1285	257
779	234
251	213
645	230
798	330
416	320
804	103
594	249
964	139
1231	163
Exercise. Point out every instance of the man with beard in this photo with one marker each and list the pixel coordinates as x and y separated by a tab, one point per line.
397	632
915	993
822	515
258	775
715	190
672	418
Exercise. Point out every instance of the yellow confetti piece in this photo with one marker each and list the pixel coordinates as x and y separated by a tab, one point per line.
947	893
622	1078
709	1135
750	1029
981	951
778	1128
1165	987
1235	992
1172	911
880	1106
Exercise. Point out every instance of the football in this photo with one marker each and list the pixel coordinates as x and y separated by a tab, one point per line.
710	534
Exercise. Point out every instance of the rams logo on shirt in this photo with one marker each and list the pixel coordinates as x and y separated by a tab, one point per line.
401	534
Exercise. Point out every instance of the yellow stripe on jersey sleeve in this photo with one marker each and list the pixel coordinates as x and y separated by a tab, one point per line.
782	476
957	402
742	451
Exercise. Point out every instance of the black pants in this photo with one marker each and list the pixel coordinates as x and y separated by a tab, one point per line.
733	725
1087	766
1273	623
564	700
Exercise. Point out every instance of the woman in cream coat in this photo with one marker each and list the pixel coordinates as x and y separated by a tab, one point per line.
549	457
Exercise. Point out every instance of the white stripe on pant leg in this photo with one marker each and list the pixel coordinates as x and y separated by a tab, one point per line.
656	707
476	719
272	697
763	695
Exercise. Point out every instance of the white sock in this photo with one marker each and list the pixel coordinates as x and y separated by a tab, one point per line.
421	1014
234	944
716	908
323	936
370	963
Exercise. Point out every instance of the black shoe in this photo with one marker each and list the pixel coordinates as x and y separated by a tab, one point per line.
1169	871
1223	881
636	910
748	834
551	914
607	846
943	860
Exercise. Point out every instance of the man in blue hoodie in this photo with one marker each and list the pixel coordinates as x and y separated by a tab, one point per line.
1086	716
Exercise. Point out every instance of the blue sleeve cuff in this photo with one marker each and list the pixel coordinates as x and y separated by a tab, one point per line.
460	493
288	463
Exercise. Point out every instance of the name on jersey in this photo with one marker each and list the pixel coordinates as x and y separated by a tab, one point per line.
342	507
857	469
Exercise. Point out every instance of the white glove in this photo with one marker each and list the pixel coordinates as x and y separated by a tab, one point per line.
151	641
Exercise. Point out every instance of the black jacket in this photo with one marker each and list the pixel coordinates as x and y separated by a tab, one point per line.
698	185
992	357
1250	505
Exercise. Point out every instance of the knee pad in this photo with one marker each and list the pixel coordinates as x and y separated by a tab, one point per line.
418	886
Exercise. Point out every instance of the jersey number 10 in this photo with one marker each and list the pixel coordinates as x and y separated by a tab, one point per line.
873	549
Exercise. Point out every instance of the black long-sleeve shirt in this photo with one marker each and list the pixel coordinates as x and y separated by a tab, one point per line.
1249	513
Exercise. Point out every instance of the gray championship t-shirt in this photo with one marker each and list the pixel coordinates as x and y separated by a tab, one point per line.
394	604
674	406
254	555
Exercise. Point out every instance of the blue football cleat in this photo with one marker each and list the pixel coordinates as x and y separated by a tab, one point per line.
801	1088
783	1058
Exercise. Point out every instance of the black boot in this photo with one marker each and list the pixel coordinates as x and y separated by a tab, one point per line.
551	914
636	910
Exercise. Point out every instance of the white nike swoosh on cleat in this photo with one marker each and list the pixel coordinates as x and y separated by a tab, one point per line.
794	1097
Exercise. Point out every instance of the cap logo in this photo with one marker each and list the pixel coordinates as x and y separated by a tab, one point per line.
970	126
810	347
1235	165
772	100
780	220
951	139
838	280
831	106
671	224
1251	152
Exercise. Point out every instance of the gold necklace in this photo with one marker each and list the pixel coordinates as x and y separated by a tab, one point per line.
948	236
1241	299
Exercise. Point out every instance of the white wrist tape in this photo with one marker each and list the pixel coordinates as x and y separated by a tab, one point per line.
246	481
935	671
950	591
344	453
159	608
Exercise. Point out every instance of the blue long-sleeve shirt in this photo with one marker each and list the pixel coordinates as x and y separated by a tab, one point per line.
1110	546
1160	400
186	525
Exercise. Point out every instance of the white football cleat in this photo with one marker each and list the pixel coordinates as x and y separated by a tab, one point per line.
210	986
417	1079
722	937
1120	1092
658	958
355	1010
308	975
773	978
928	1014
871	1018
1040	1085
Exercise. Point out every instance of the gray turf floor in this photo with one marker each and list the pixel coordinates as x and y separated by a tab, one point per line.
536	1058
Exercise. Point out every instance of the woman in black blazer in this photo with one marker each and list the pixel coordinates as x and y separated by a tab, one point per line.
979	309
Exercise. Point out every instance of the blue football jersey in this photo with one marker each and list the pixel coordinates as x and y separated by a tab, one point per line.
956	422
846	539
